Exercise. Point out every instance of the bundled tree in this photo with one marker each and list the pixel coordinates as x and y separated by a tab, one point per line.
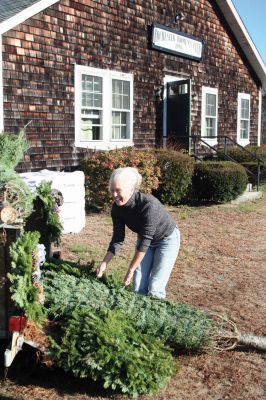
105	345
101	330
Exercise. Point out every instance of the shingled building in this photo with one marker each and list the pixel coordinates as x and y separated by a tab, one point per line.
103	74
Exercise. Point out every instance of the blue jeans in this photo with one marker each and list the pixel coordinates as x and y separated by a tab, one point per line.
152	274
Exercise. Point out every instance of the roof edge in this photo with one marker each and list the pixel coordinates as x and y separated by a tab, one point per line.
244	39
23	15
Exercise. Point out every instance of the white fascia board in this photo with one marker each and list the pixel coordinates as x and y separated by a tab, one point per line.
236	24
1	89
25	14
260	117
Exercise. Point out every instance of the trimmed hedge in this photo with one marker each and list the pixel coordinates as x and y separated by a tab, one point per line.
218	181
176	175
98	168
253	167
241	156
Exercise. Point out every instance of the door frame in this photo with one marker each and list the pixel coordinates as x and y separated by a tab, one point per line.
166	79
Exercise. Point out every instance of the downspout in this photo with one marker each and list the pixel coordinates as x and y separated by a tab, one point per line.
260	117
1	88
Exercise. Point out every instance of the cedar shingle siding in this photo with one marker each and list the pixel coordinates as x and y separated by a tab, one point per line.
39	57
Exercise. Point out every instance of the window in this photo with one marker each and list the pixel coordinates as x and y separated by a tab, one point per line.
209	115
243	118
91	108
120	109
103	108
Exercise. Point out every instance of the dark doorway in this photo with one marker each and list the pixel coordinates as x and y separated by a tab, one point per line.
178	113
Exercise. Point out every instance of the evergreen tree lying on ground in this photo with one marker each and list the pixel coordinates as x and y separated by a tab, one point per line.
182	327
102	330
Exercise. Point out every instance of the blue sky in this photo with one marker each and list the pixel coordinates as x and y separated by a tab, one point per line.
253	14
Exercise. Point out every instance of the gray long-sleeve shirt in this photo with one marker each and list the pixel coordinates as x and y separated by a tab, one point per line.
143	214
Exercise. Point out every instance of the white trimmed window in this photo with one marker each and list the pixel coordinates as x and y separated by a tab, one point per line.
103	108
209	114
243	118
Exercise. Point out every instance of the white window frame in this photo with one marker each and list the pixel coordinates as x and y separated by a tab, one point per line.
208	90
241	141
107	143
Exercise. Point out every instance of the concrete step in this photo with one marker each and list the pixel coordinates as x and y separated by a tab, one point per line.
248	195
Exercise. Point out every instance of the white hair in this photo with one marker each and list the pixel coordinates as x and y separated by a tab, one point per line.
129	176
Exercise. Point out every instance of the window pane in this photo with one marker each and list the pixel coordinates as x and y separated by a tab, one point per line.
97	100
245	108
117	101
121	94
117	86
123	132
91	126
211	105
210	126
116	118
91	91
87	99
115	132
120	125
244	129
123	118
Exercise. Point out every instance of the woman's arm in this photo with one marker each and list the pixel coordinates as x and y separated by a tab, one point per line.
102	267
136	260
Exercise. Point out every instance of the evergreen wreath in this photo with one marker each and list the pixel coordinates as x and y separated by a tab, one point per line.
24	293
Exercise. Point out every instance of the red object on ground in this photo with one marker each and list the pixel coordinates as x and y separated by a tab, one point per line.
17	323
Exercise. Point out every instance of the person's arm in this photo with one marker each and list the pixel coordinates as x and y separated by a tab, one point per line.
102	267
115	244
136	260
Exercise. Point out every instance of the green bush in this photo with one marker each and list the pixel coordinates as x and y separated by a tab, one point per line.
98	167
253	167
218	181
176	175
241	156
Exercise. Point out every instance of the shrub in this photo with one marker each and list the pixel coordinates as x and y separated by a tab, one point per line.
241	156
176	175
218	181
98	167
253	168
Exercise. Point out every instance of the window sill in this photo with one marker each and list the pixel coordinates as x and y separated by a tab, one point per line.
243	142
209	141
101	145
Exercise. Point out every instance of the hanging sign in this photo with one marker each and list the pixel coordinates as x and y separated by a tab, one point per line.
172	41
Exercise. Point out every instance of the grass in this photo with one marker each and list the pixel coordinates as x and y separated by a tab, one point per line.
263	187
182	211
85	252
186	253
96	253
248	206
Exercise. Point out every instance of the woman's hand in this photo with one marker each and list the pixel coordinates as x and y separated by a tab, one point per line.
102	267
100	270
128	277
138	257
